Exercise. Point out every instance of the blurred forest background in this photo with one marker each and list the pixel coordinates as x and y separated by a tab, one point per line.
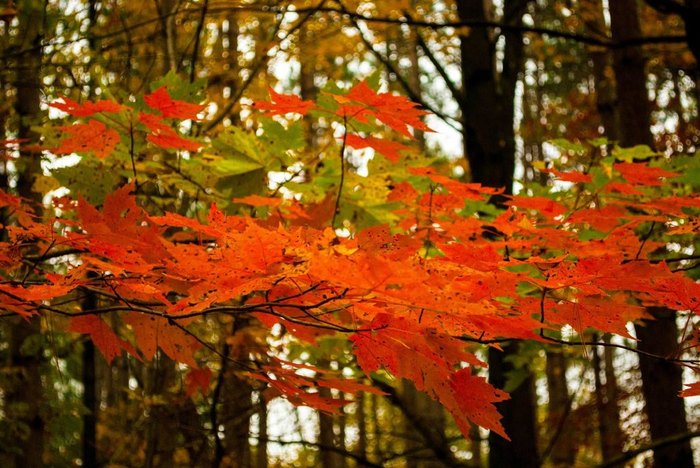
511	84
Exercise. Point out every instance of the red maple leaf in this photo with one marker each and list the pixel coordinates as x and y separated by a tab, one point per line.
390	149
93	137
428	358
164	136
87	108
109	344
198	380
395	111
257	200
157	332
642	174
282	104
692	389
168	107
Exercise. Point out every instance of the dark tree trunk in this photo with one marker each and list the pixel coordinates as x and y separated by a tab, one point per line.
607	404
487	107
89	455
261	450
518	416
563	452
661	381
24	396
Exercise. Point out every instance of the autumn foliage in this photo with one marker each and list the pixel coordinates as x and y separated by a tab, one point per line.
413	296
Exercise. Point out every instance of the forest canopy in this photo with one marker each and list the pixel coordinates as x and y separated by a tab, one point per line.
349	233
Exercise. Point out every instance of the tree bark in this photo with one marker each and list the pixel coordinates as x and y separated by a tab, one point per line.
518	416
487	107
661	383
261	450
606	404
563	452
661	380
24	396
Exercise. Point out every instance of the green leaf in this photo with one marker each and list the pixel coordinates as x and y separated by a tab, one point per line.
180	88
638	153
280	139
568	146
81	180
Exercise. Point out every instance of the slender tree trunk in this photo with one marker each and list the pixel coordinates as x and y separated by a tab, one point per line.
564	449
661	383
89	455
261	453
606	405
329	441
487	107
518	416
237	405
361	450
89	378
375	449
24	396
411	48
661	380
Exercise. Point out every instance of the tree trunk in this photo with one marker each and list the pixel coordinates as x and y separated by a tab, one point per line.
487	107
661	381
24	396
89	455
606	404
518	416
361	450
603	75
563	452
261	450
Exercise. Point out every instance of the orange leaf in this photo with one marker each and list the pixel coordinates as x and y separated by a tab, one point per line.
544	205
198	380
282	104
87	108
641	174
571	176
92	136
156	332
161	101
257	200
428	358
395	111
388	148
692	389
164	136
109	344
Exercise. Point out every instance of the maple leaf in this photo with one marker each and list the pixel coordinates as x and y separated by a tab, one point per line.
157	332
109	344
168	107
282	104
459	189
390	149
570	176
428	358
257	200
119	233
544	205
93	136
395	111
87	108
198	380
642	174
164	136
692	389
